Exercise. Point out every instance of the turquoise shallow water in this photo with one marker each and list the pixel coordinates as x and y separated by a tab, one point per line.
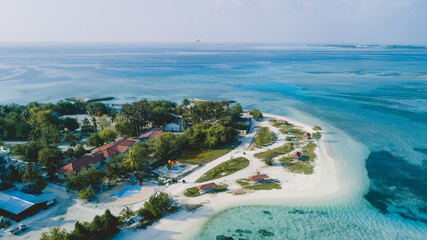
378	97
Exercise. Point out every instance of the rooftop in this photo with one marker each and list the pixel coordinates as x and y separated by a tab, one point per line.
206	186
256	177
151	133
15	201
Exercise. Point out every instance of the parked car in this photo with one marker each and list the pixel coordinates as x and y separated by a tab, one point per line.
18	229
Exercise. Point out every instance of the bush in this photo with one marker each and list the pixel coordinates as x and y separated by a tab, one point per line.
316	135
87	194
221	188
256	113
192	192
224	169
273	120
95	140
288	138
157	205
317	128
107	135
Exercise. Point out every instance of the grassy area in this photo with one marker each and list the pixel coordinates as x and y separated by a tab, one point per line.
266	186
199	156
192	192
221	187
286	148
268	155
225	169
295	130
306	165
243	182
264	137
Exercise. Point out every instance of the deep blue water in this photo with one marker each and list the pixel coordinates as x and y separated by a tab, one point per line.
378	97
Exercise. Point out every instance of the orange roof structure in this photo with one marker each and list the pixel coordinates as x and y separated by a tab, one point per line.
296	155
307	135
257	177
282	121
106	151
84	162
121	146
206	186
151	133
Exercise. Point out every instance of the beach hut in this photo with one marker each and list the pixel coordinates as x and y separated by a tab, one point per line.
260	178
282	121
307	136
175	126
205	188
296	155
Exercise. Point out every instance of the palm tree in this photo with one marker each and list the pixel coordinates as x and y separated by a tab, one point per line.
127	213
131	161
30	174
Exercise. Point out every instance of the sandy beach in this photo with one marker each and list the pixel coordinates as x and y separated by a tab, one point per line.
185	224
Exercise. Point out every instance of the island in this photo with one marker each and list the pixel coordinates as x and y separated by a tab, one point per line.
132	171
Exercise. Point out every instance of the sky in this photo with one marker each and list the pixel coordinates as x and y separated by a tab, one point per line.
275	21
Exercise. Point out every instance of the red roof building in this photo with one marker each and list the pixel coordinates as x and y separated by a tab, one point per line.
150	134
282	121
84	162
307	135
206	186
296	155
258	177
121	146
106	151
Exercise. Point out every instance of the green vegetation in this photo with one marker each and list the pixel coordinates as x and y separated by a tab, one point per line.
290	129
264	137
192	192
89	177
107	135
87	194
95	140
273	120
268	155
97	109
220	188
317	128
224	169
265	186
101	228
199	156
243	182
305	165
316	135
256	113
156	206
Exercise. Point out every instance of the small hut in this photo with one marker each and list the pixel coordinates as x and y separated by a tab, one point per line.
296	155
307	136
205	188
260	178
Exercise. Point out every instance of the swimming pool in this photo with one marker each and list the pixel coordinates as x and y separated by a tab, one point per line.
127	192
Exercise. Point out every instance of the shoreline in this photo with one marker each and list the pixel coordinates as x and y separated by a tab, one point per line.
322	184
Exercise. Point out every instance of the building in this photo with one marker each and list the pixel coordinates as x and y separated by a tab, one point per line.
103	154
259	178
306	136
296	155
205	188
281	121
150	134
17	205
84	162
119	147
4	168
175	126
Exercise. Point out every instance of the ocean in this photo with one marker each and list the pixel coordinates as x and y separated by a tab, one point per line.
371	101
